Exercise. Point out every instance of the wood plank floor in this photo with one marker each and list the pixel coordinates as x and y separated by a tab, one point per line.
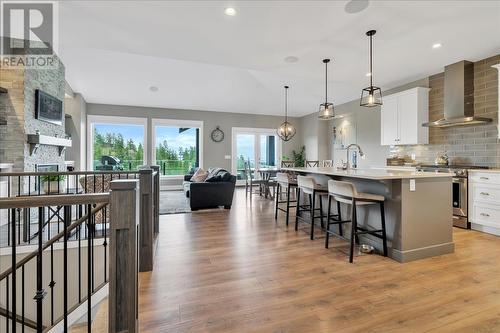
239	271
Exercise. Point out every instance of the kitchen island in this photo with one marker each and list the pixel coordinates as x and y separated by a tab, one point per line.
419	214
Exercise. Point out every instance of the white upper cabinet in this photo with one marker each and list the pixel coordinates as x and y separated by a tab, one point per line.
402	116
498	67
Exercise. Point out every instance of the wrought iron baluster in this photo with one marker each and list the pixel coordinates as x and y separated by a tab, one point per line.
40	293
52	284
7	308
14	282
22	299
89	273
67	221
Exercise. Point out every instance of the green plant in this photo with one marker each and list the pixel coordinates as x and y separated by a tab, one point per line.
52	178
299	158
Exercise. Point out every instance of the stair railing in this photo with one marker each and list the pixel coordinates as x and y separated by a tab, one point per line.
123	203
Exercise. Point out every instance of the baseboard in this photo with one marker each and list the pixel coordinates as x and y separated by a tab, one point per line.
422	253
486	229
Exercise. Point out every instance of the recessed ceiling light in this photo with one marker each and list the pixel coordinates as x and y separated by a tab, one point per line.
368	74
356	6
291	59
153	89
230	11
436	45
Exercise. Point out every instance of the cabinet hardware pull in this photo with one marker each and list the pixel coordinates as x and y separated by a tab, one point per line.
484	214
485	178
484	193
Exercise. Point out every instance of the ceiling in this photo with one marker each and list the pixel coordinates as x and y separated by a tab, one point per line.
201	59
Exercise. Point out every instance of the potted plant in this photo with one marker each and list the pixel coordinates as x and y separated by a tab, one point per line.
299	157
53	183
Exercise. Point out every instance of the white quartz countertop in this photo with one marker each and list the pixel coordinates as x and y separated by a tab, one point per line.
375	174
485	170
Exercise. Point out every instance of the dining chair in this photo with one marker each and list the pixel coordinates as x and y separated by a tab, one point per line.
311	164
327	163
287	164
252	180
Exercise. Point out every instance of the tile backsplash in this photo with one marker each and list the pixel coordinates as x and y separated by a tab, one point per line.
477	145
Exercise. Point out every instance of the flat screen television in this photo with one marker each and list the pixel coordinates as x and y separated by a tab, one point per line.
48	108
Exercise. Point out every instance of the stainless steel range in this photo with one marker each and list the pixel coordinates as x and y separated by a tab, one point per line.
460	192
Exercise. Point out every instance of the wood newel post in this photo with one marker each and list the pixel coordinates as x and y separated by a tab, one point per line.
123	256
146	219
156	187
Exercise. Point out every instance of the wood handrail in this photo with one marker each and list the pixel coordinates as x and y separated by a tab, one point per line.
53	200
54	239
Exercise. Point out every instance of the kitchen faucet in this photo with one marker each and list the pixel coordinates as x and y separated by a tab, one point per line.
353	145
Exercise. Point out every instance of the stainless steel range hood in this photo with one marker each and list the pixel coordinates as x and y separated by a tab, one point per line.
458	97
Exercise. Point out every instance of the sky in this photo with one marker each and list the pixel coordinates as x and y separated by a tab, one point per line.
175	140
134	132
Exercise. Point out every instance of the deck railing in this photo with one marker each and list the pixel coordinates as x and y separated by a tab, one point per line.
87	267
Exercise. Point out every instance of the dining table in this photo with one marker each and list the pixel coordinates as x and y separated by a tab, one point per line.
268	174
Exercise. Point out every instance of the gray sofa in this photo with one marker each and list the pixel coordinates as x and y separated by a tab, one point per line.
216	191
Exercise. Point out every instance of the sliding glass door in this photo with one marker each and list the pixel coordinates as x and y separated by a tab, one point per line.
260	147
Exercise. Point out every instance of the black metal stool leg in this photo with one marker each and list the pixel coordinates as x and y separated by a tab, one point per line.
312	199
384	235
328	222
353	231
341	232
297	211
277	202
287	203
321	211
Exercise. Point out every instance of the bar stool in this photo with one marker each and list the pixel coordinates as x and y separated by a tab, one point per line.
308	186
346	192
287	182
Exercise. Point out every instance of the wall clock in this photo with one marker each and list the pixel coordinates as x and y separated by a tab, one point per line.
217	135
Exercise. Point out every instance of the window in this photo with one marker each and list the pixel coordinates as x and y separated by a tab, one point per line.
177	145
116	143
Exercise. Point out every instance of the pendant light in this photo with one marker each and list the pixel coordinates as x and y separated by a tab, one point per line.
371	96
286	131
326	109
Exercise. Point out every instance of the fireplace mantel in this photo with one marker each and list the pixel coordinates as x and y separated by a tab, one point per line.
35	140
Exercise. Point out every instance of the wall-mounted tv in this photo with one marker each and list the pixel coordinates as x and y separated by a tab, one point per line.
48	108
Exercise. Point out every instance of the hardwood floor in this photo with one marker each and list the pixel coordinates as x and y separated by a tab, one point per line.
240	271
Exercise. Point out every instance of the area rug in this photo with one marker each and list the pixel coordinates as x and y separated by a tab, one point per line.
174	202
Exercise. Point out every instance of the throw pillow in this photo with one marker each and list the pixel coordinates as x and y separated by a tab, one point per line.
199	176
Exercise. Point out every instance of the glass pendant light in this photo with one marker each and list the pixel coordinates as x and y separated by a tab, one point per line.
286	131
326	109
372	95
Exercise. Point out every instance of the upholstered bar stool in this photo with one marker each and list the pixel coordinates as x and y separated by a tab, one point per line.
308	186
284	181
346	192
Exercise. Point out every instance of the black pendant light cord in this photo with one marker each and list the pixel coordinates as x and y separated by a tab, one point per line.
326	61
286	103
371	62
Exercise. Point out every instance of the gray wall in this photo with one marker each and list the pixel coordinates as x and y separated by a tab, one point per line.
366	124
213	153
314	136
